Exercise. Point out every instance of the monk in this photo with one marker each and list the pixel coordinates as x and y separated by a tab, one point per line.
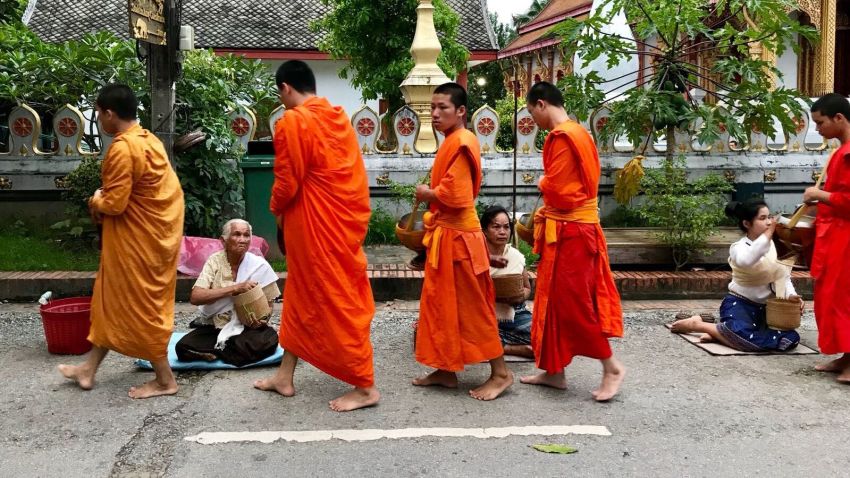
141	208
577	307
457	320
830	266
321	199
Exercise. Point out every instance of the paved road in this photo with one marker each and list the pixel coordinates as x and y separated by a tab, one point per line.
681	413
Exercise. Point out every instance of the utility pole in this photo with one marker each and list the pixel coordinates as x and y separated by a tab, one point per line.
162	76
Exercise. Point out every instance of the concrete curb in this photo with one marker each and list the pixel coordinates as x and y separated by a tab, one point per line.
395	281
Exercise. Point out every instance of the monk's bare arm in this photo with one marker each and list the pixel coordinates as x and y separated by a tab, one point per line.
117	176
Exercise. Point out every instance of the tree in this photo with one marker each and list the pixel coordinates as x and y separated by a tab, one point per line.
376	45
534	9
11	11
672	34
486	85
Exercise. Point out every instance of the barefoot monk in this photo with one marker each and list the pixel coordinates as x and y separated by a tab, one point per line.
141	206
457	321
577	307
830	266
321	198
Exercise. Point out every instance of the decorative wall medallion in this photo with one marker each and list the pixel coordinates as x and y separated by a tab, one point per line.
383	179
240	126
770	176
67	127
22	127
486	121
528	178
486	126
406	126
366	126
526	125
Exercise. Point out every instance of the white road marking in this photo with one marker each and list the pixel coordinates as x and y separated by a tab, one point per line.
211	438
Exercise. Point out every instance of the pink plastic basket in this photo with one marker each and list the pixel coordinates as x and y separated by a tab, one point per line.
66	325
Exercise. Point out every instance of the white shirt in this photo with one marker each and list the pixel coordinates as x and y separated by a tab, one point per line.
746	253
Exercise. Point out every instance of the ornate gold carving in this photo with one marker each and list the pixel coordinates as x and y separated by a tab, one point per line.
406	149
770	176
383	179
825	51
5	183
525	148
528	178
812	8
729	175
815	175
485	149
61	182
147	20
542	68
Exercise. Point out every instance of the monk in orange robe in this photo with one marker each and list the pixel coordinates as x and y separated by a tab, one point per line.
457	319
321	198
577	306
141	208
830	264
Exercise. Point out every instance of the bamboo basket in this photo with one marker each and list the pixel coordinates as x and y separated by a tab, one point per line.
783	314
410	229
252	306
508	286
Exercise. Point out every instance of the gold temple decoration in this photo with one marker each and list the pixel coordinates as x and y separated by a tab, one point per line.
425	76
147	20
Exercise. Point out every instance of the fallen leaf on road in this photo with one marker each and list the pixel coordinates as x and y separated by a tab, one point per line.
555	448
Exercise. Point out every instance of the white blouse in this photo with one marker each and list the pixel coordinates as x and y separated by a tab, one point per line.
746	253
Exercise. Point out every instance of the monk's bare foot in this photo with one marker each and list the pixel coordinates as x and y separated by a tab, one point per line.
152	389
845	376
519	350
706	338
79	374
834	366
611	381
493	387
686	326
558	380
357	398
275	385
438	378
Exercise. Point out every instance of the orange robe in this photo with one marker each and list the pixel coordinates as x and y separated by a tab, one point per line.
132	309
457	319
576	306
830	263
321	194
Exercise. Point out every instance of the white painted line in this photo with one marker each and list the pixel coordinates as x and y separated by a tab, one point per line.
211	438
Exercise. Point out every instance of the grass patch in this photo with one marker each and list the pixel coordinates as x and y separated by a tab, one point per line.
279	265
32	253
381	228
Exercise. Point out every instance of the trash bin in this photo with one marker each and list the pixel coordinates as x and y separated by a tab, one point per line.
258	170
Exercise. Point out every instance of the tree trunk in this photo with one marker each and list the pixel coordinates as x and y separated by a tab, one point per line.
671	142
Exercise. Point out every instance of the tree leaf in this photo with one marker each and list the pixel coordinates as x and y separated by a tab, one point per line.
555	448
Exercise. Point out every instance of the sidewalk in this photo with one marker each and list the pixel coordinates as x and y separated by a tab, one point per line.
396	281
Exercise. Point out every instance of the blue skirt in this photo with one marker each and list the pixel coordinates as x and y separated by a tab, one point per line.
744	324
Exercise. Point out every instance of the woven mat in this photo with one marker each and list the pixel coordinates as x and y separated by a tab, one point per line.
715	348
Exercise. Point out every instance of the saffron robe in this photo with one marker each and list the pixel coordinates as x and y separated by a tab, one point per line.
830	264
457	320
576	306
132	309
321	196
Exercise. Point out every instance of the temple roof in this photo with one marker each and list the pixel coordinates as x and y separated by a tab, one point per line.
234	24
537	33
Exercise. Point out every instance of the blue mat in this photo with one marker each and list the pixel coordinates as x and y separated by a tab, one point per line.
273	359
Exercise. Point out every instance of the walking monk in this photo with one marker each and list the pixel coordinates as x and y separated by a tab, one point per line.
141	206
321	198
830	264
457	320
577	306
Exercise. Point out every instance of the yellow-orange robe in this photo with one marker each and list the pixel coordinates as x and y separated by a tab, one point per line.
321	194
457	320
132	309
576	306
830	266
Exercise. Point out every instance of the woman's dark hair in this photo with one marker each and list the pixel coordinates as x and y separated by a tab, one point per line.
745	211
490	214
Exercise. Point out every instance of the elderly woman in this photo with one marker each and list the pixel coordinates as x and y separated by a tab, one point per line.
514	318
218	332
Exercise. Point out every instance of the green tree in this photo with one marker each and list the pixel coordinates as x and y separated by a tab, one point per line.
486	83
672	33
376	45
11	11
534	9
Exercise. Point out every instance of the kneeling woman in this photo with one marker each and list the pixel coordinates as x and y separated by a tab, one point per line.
514	318
755	276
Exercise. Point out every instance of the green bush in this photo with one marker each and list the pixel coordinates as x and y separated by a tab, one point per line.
381	228
687	211
624	216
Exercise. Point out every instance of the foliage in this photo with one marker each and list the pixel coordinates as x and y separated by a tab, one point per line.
377	45
490	73
82	183
672	34
11	11
530	257
30	252
505	110
211	86
624	216
688	212
381	228
533	10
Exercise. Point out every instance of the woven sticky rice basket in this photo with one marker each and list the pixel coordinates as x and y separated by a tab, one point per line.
508	286
783	314
524	228
252	305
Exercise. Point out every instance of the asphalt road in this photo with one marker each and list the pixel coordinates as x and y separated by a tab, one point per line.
681	413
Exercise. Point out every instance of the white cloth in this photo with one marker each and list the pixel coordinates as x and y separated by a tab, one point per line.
516	265
747	254
253	268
